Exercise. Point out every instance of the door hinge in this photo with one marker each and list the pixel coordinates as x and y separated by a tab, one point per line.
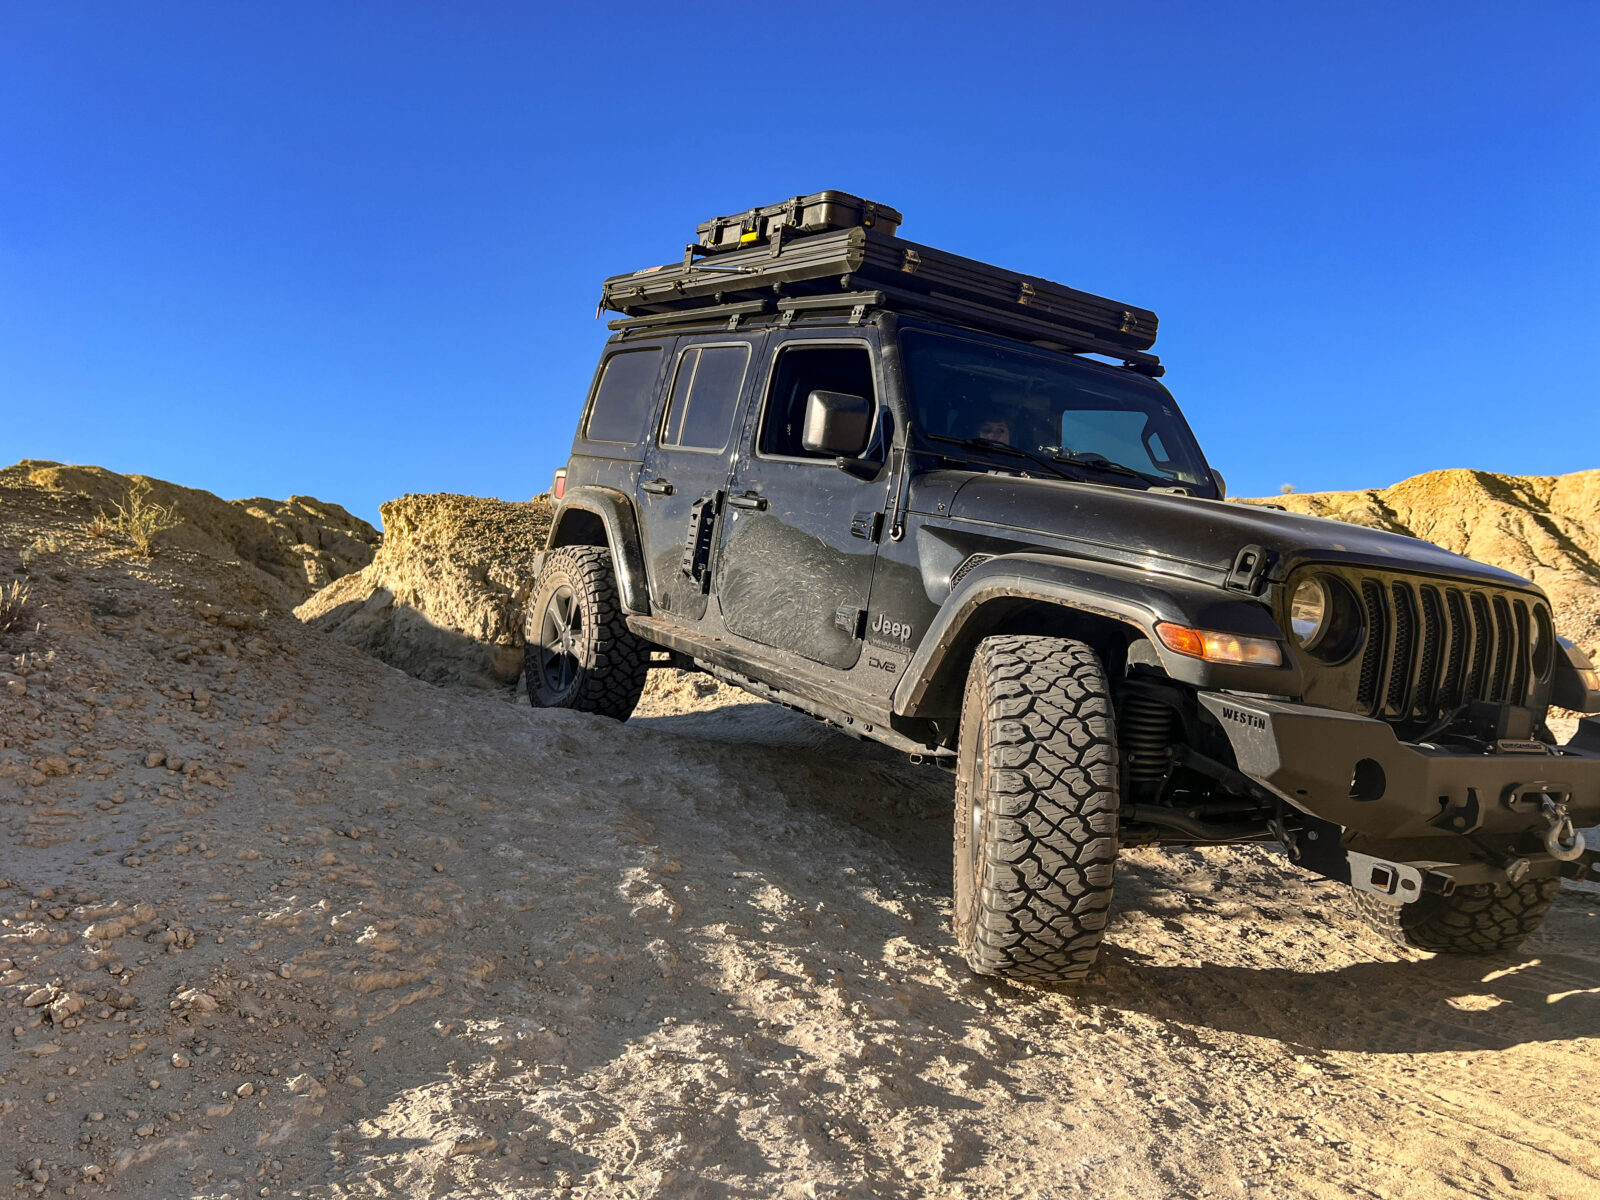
696	560
851	619
867	525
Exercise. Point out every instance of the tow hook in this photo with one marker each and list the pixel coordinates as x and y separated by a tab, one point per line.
1564	843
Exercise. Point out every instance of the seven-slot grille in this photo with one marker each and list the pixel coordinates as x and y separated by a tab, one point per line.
1433	647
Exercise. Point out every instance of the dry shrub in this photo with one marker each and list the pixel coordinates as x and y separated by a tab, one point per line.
140	518
45	543
13	605
99	526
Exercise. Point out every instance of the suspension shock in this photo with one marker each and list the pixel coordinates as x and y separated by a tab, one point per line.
1144	727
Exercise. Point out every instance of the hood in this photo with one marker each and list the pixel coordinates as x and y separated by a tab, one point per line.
1130	525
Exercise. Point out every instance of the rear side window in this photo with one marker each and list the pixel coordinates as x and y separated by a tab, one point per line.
625	397
705	391
800	371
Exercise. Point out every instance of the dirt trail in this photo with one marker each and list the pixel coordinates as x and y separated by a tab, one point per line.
281	920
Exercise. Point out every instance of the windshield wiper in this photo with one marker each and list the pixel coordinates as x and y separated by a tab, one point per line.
1094	461
994	447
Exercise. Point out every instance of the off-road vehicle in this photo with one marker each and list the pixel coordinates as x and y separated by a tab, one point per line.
949	508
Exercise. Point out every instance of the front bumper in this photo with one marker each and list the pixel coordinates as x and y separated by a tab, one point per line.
1405	802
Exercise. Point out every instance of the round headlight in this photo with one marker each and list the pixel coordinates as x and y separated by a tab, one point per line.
1310	612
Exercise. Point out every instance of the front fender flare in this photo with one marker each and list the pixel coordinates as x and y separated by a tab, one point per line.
616	514
931	686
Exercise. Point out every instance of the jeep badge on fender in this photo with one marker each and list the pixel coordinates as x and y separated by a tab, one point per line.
808	424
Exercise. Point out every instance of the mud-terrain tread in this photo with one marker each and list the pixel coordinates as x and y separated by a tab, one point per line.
612	682
1483	918
1051	804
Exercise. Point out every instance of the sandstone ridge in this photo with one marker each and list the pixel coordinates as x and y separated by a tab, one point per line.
288	548
442	599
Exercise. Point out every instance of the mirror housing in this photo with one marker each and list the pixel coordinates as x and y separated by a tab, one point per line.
1222	487
836	423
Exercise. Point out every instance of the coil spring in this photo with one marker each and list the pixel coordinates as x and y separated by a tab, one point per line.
1145	727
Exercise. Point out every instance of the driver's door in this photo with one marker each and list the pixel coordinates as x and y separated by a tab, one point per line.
800	537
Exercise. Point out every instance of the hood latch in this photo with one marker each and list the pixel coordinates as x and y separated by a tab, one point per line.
1249	570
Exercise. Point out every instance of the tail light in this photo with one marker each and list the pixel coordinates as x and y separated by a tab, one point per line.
558	489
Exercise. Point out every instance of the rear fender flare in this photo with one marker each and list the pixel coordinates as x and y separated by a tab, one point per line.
1136	599
573	525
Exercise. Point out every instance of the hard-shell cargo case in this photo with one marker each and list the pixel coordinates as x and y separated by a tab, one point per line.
866	257
819	212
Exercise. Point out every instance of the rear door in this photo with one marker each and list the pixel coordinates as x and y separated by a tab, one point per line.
683	484
800	535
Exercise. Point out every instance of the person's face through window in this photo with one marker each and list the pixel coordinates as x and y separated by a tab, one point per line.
996	429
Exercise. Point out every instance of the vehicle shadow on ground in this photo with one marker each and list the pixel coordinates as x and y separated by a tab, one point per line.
1439	1004
1548	991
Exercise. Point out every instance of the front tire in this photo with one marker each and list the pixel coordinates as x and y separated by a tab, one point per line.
1481	918
578	650
1036	809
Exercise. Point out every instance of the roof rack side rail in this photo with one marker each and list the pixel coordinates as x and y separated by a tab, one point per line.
684	316
1011	322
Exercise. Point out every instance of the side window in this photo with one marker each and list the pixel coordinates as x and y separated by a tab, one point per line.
624	397
705	391
801	370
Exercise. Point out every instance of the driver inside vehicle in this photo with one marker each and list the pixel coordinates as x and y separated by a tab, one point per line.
995	429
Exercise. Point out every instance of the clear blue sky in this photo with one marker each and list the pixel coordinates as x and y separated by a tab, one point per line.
352	250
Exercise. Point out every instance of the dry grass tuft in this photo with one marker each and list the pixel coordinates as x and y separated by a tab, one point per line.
140	519
99	526
13	605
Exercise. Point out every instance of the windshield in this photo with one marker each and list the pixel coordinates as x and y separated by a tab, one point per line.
1049	405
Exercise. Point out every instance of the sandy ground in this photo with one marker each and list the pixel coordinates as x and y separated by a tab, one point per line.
280	920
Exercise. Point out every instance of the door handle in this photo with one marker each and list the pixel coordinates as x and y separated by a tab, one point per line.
656	487
750	500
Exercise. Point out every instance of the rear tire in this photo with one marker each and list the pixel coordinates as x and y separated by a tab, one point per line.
1036	809
1483	918
578	650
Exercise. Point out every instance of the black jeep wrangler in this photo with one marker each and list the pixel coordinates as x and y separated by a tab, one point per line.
948	507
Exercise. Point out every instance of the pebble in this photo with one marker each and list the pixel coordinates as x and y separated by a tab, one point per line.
245	1089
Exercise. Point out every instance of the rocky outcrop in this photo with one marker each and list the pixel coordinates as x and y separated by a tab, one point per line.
442	599
290	547
1544	527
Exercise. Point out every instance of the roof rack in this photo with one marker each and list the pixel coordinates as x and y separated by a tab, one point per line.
832	250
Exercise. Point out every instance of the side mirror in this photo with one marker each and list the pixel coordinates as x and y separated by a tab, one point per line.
1222	487
836	423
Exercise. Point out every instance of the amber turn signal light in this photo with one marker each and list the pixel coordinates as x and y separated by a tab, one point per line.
1220	647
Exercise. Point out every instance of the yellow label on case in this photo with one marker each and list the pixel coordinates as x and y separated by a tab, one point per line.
747	237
